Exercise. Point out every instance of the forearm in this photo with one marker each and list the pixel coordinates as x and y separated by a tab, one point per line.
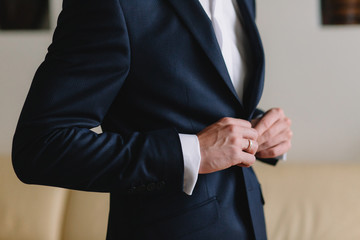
80	159
72	92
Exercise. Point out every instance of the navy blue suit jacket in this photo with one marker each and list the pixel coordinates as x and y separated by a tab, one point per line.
145	70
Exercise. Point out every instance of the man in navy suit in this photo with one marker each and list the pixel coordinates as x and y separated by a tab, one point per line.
174	85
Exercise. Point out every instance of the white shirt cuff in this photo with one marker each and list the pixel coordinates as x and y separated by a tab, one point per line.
192	157
283	157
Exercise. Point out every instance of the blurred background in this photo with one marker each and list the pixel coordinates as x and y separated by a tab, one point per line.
312	72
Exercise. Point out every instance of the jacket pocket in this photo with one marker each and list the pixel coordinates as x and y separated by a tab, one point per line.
186	221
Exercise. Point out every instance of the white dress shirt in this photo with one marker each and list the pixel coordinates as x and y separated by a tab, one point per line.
226	21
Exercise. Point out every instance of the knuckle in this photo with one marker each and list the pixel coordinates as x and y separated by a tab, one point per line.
252	160
233	140
246	123
273	153
234	152
279	111
246	164
248	161
267	123
266	135
231	128
290	134
255	133
226	120
288	121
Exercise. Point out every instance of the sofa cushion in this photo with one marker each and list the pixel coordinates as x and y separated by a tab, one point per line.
302	202
86	216
311	201
29	212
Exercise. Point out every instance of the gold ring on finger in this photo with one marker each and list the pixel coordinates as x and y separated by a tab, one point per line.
249	146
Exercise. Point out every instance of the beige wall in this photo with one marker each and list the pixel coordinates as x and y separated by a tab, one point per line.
312	72
21	52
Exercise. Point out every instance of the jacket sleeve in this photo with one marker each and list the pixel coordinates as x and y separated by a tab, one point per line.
72	90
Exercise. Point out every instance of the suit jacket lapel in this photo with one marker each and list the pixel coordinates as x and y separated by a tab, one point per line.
255	86
195	18
201	28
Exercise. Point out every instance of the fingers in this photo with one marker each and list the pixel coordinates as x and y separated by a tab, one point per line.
280	127
235	122
249	146
227	143
239	127
283	136
247	160
269	119
243	133
275	151
242	130
274	134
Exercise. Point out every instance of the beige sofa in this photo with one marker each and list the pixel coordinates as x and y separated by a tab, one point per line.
303	202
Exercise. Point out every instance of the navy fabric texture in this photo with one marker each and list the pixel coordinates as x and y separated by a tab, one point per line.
145	71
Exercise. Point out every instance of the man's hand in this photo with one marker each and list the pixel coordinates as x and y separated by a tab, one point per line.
274	134
226	143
